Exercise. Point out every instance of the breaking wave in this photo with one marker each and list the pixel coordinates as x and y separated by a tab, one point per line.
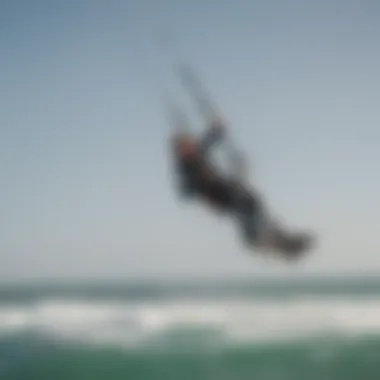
229	321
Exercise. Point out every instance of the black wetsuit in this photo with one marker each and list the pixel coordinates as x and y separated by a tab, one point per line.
197	177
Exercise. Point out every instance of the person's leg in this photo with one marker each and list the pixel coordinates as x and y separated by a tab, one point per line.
260	232
250	214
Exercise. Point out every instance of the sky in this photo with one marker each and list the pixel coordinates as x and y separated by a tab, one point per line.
86	188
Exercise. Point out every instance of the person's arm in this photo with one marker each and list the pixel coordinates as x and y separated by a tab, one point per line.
213	135
239	167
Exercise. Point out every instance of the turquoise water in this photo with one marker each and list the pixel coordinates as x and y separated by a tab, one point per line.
238	330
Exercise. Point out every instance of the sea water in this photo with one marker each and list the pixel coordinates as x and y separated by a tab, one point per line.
223	330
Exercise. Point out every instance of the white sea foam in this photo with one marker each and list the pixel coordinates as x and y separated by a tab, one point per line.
244	320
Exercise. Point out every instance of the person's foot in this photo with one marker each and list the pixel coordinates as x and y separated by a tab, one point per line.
290	247
294	246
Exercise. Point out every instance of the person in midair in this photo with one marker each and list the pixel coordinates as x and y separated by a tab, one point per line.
199	178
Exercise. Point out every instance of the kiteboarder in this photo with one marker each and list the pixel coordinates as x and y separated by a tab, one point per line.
198	177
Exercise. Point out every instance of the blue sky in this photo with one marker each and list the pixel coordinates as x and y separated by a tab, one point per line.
86	188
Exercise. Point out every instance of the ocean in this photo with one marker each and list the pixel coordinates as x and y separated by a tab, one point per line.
237	330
